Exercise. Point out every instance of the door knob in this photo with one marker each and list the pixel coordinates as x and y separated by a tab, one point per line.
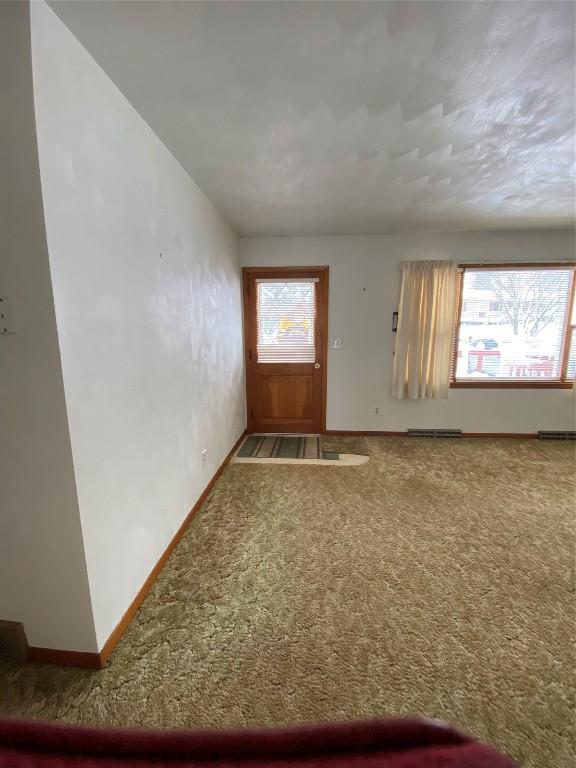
316	365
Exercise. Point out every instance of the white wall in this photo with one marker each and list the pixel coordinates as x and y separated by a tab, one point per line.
43	579
148	307
364	291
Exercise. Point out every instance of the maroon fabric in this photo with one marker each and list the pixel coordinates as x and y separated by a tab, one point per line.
395	743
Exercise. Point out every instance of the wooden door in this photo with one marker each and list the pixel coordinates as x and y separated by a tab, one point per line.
285	327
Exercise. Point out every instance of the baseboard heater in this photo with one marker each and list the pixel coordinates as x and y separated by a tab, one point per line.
434	433
558	435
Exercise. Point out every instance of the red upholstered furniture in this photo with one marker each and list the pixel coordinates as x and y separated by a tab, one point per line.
396	743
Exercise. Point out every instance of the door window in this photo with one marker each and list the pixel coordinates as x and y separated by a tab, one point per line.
286	320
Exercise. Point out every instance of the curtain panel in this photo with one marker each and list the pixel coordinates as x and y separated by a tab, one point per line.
426	321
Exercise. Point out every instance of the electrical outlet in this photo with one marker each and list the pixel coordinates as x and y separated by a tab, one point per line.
203	455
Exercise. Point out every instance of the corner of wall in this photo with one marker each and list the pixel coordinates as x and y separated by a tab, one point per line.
44	582
146	277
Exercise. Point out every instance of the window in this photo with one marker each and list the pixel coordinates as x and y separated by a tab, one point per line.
515	326
286	319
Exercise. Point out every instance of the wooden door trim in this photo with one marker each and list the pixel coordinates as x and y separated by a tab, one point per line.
246	337
324	310
280	270
250	341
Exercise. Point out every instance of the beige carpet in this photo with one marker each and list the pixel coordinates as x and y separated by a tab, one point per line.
435	579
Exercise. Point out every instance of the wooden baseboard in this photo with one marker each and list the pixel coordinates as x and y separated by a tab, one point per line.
355	433
99	660
64	658
363	433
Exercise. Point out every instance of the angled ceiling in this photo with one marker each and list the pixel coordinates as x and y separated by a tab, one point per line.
353	117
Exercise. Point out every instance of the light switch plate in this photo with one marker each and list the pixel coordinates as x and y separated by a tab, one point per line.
336	343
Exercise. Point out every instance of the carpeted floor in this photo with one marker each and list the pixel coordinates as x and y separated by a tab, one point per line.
435	579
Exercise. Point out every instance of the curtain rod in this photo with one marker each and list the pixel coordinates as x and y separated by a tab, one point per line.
518	264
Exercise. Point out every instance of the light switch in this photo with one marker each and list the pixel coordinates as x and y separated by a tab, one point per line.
336	343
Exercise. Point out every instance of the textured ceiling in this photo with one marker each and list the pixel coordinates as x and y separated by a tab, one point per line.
345	117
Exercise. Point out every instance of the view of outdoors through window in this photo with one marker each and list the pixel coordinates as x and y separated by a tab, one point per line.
285	318
512	324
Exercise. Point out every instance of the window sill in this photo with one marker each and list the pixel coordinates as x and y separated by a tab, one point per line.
482	384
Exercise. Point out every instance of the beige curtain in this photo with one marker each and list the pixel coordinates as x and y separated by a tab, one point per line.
425	330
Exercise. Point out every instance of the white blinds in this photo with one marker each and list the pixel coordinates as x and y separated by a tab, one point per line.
571	364
512	323
286	320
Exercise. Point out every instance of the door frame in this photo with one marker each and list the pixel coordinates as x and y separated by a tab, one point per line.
322	313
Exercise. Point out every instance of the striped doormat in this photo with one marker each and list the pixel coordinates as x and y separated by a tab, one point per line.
292	449
284	447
